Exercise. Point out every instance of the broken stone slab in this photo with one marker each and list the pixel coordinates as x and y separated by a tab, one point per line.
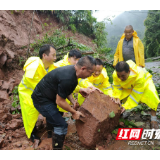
98	124
14	124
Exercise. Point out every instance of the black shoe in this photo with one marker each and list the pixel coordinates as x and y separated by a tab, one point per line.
33	137
49	129
57	141
49	134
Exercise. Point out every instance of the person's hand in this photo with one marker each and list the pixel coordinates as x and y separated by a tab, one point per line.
84	91
76	105
116	100
92	88
122	109
77	115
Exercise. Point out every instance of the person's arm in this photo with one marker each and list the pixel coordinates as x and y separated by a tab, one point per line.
116	56
136	94
64	105
117	89
141	53
107	88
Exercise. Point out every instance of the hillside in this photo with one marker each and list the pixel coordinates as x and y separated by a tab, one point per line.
134	17
17	30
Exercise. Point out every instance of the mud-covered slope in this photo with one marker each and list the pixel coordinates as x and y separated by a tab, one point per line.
16	33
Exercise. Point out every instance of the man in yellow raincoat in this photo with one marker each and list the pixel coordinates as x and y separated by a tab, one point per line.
99	79
70	59
135	83
130	47
35	69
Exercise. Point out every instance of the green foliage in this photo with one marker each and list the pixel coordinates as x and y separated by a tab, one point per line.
140	108
83	22
115	131
158	87
152	34
12	12
112	115
67	148
73	28
110	71
150	71
45	24
127	123
59	39
99	130
15	100
21	60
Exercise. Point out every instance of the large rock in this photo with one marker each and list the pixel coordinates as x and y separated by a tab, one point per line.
98	124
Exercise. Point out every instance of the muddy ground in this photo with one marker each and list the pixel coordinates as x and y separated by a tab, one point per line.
13	137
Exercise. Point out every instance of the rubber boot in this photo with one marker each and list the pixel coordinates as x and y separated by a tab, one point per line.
49	129
33	135
57	141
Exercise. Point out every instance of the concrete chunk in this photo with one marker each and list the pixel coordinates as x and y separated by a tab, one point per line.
98	124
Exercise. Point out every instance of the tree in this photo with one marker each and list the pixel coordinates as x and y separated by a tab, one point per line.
152	34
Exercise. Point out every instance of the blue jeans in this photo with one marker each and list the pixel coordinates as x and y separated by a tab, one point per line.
53	116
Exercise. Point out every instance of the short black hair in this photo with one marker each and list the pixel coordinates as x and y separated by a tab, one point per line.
45	49
75	52
99	61
87	61
129	26
122	66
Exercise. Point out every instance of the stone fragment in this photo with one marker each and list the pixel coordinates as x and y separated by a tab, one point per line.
96	108
36	143
18	133
14	124
3	95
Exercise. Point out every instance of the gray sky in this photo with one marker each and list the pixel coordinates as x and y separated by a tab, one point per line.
101	14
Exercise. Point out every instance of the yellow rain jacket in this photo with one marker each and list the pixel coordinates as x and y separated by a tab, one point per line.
139	87
34	72
138	51
101	82
63	62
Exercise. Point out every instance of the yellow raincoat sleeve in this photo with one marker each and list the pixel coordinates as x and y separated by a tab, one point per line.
116	55
141	53
32	81
82	83
136	94
106	86
117	89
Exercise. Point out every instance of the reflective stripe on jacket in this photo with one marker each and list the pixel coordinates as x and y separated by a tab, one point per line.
138	87
138	50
